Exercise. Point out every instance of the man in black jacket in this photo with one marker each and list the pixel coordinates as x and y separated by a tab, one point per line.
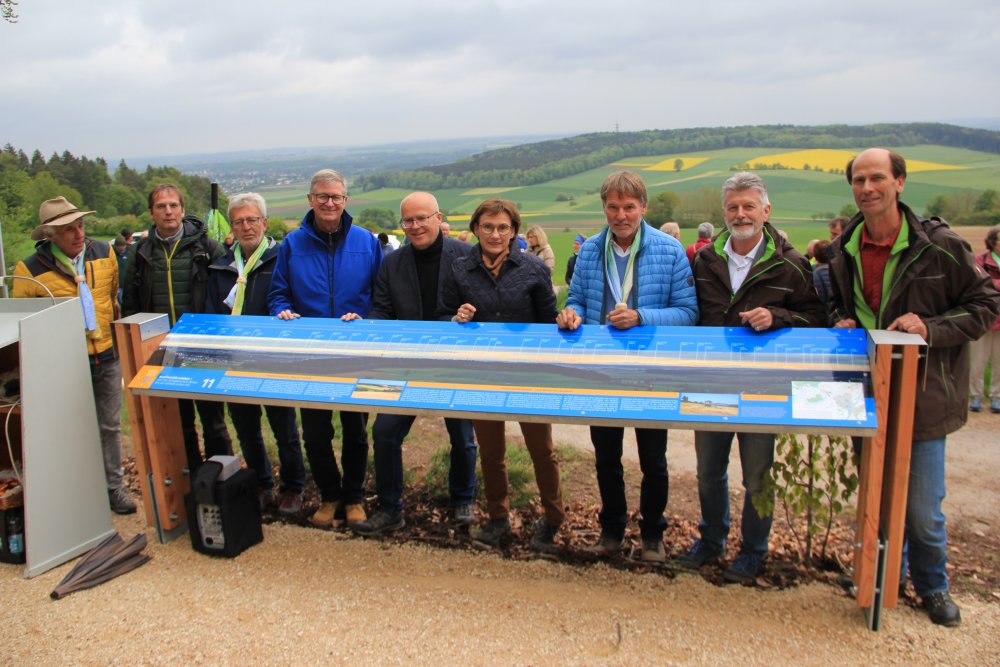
408	288
167	272
749	276
252	258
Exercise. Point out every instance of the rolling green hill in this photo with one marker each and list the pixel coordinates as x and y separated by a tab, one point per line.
573	202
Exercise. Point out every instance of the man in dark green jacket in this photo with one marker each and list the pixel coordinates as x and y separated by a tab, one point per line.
894	271
748	276
167	272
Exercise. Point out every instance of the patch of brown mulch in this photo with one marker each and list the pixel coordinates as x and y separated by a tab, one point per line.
974	555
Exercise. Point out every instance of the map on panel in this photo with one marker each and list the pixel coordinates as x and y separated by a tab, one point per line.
648	376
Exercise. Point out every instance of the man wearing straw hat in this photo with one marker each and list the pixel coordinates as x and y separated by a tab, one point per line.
67	263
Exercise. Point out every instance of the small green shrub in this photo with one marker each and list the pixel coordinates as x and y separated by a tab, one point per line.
814	481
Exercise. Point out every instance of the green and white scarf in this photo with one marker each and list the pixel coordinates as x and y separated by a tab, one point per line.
77	269
620	288
238	293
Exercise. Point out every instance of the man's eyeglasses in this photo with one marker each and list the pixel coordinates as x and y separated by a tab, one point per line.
245	222
488	229
323	198
407	223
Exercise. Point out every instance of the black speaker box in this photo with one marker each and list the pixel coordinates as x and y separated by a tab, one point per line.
223	517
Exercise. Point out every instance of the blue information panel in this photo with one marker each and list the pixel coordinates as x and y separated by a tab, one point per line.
800	380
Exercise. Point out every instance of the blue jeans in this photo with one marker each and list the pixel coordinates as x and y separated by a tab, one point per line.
926	546
388	434
756	457
246	420
317	438
652	444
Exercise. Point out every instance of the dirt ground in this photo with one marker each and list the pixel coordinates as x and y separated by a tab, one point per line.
324	597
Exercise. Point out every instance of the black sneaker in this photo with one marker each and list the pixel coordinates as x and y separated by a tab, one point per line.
120	501
379	522
942	609
492	532
744	569
700	554
543	541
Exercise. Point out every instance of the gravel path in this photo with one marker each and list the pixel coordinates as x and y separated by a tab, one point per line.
310	596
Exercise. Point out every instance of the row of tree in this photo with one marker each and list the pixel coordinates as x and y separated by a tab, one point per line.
120	199
530	164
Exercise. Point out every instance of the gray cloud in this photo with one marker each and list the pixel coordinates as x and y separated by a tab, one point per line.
123	77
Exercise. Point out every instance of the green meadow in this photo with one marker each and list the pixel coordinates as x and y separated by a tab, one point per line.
567	206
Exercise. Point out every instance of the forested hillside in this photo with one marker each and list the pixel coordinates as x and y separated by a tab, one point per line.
530	164
119	198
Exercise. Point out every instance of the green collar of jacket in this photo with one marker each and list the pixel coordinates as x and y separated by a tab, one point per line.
866	317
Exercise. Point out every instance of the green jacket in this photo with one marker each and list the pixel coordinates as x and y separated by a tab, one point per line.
780	280
933	275
171	280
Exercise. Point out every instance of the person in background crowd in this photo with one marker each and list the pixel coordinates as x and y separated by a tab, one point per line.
238	284
327	268
409	287
496	283
630	274
837	226
571	263
538	245
167	272
383	241
987	349
705	231
821	270
671	229
892	270
68	264
750	276
121	252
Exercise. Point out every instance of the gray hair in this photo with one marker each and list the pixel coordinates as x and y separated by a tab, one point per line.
745	180
325	176
705	230
247	199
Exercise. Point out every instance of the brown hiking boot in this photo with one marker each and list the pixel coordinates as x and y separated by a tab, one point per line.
323	517
354	513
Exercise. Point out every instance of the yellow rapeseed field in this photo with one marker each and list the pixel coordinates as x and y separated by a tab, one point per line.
668	163
829	159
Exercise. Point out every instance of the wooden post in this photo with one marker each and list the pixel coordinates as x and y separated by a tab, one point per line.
156	429
885	467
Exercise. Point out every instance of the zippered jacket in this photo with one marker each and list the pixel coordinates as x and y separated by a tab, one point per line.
171	280
522	293
780	280
326	275
222	278
663	286
936	278
101	268
989	265
397	288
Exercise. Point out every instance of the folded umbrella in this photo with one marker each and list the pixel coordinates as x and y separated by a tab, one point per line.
109	559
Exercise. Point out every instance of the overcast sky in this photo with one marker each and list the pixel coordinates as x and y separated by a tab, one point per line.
126	78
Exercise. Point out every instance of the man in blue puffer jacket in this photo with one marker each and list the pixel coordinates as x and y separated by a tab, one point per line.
629	275
327	268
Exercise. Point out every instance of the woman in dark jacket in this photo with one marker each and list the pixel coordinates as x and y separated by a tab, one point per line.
498	283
